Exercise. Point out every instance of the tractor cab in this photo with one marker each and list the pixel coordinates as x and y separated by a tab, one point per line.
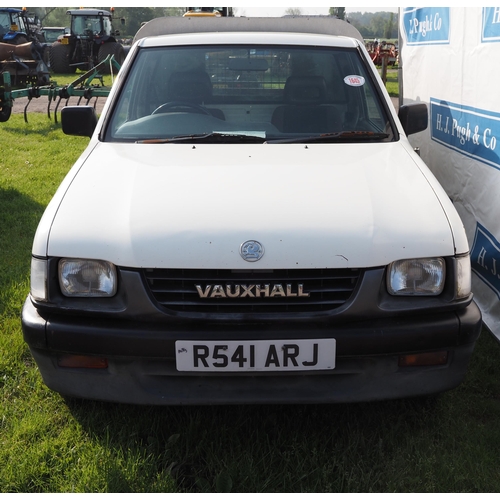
13	28
91	23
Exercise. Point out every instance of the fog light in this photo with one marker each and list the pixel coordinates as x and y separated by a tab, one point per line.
79	361
424	359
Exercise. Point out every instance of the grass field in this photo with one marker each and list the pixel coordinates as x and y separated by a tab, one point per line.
445	444
392	83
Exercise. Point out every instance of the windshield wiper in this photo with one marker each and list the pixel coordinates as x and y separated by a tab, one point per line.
209	137
349	136
218	137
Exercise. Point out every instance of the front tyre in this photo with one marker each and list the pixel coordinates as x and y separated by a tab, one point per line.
111	48
5	112
59	59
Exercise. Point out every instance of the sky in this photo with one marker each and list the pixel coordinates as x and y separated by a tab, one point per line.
259	8
256	11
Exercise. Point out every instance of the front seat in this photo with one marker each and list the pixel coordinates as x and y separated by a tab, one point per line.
304	111
192	87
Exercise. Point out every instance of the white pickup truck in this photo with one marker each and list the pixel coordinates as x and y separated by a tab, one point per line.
249	224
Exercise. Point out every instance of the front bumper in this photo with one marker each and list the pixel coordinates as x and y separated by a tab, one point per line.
141	359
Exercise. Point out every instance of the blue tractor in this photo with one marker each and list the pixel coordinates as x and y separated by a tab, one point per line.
14	28
22	54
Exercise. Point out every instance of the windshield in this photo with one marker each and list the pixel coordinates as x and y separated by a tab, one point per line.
87	25
51	35
228	93
7	20
4	22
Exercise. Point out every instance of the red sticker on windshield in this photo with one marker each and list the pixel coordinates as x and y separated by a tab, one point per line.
354	80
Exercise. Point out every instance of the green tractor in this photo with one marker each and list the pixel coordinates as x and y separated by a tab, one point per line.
91	39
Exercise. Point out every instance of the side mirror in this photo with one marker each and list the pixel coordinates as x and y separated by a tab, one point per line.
414	117
78	120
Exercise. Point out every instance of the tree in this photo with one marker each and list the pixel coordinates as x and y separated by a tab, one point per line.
388	27
293	11
52	16
41	12
374	25
337	11
133	17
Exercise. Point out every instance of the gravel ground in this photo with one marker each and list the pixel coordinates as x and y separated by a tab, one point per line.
40	104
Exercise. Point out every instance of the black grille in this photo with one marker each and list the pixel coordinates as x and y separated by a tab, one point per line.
263	291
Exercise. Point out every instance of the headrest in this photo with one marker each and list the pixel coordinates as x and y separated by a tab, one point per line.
194	86
305	90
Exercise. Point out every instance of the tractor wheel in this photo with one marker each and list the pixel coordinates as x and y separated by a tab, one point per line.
113	48
5	112
59	58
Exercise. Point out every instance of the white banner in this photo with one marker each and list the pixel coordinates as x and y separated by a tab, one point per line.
449	60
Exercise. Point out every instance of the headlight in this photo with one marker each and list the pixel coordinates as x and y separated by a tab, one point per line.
416	277
463	274
38	285
87	278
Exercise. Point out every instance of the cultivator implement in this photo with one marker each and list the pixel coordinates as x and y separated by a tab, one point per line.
84	87
24	63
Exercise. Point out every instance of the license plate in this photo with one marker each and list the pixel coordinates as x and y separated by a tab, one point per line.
64	41
260	355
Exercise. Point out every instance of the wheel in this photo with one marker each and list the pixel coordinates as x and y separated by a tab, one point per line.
5	112
190	107
111	48
59	58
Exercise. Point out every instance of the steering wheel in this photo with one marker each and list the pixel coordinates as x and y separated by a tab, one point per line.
190	107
